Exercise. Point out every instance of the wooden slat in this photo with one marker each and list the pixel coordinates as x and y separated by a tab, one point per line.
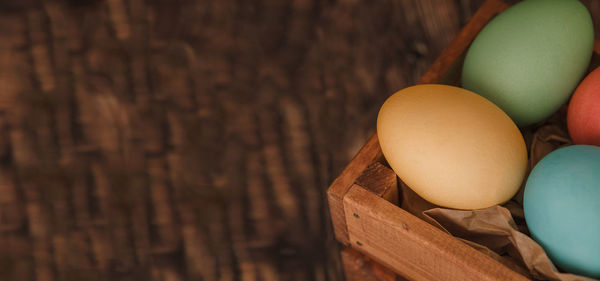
411	247
487	11
597	46
340	186
381	180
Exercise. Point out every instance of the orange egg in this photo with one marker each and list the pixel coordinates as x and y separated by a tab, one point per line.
451	146
583	115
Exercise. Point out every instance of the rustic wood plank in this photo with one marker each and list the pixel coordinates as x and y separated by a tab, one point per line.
381	180
412	247
488	10
342	184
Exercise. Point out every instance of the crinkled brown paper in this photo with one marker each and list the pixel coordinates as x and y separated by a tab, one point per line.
493	231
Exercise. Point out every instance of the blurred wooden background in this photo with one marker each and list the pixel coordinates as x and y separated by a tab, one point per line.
193	139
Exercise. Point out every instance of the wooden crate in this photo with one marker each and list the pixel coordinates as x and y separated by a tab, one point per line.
381	240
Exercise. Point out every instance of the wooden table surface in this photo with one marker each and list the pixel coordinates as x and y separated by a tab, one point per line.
193	139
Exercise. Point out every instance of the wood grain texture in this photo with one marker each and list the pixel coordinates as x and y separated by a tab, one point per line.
342	184
451	54
404	243
195	139
381	180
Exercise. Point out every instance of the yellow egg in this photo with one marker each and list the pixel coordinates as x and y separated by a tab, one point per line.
451	146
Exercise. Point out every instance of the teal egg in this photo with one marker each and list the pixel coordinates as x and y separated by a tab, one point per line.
562	208
529	59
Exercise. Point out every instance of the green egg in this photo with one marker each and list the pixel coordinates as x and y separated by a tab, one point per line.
529	59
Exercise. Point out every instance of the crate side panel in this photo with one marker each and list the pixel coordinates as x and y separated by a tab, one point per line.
411	246
335	194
